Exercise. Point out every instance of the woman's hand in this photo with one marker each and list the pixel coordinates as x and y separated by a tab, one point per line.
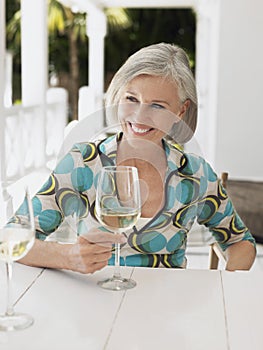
92	251
89	254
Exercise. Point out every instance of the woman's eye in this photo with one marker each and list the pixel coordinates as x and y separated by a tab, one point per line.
131	98
157	106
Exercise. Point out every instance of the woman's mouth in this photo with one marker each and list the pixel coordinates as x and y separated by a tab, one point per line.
140	130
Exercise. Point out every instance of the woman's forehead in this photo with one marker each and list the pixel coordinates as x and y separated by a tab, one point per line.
156	87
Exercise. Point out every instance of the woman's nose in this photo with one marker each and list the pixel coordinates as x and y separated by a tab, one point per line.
141	114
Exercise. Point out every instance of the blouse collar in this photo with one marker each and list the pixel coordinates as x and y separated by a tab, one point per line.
174	154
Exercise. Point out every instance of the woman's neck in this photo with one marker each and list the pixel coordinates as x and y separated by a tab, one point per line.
146	154
150	160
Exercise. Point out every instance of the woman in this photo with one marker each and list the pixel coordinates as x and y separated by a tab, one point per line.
153	98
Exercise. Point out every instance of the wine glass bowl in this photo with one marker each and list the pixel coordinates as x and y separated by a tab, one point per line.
17	235
117	208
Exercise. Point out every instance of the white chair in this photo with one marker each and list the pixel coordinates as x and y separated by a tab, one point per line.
85	130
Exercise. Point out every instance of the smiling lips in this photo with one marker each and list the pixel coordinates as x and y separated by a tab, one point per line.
139	130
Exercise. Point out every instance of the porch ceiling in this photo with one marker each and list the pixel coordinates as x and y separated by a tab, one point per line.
86	5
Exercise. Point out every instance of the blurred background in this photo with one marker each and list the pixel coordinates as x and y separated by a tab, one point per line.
57	58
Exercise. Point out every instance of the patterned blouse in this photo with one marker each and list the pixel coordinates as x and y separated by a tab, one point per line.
192	192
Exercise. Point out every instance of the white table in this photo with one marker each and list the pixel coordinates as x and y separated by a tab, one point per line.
244	309
169	309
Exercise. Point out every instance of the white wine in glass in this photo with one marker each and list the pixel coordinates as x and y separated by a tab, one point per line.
17	235
118	207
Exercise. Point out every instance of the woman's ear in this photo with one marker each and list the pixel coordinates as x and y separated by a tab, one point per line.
184	107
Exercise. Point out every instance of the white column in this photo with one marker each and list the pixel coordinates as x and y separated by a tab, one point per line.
207	66
96	31
34	51
2	85
240	123
86	102
34	55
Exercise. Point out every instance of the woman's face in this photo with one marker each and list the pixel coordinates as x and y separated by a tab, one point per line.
148	108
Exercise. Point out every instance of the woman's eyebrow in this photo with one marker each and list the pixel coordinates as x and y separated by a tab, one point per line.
153	100
130	92
161	101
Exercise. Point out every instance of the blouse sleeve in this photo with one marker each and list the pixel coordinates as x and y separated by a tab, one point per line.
62	193
217	212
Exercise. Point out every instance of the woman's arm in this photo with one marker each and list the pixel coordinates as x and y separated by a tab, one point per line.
217	212
89	254
240	256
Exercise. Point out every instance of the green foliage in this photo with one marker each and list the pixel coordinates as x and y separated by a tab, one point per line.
56	17
12	6
128	30
118	18
151	26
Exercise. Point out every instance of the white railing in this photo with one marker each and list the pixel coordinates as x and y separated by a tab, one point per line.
32	135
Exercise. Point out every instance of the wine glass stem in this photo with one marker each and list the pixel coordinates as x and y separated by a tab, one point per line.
9	273
117	261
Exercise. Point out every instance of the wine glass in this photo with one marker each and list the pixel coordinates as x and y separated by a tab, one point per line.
17	236
118	207
66	233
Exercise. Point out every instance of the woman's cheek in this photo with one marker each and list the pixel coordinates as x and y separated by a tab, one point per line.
126	111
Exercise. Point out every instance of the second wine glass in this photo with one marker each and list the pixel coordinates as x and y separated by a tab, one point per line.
17	235
118	207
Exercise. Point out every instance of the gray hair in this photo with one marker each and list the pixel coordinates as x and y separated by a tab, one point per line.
165	60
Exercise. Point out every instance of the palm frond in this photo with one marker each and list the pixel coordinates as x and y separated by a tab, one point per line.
56	21
118	18
56	16
79	26
13	31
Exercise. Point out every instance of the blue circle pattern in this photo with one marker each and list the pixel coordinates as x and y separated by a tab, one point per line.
208	172
203	186
176	241
65	166
193	165
49	220
82	179
153	241
37	206
187	191
171	197
23	209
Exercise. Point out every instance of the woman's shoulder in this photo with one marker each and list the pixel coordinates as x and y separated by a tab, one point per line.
92	149
86	149
191	163
177	150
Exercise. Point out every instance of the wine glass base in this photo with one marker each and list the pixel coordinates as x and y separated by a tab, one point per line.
117	283
15	322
